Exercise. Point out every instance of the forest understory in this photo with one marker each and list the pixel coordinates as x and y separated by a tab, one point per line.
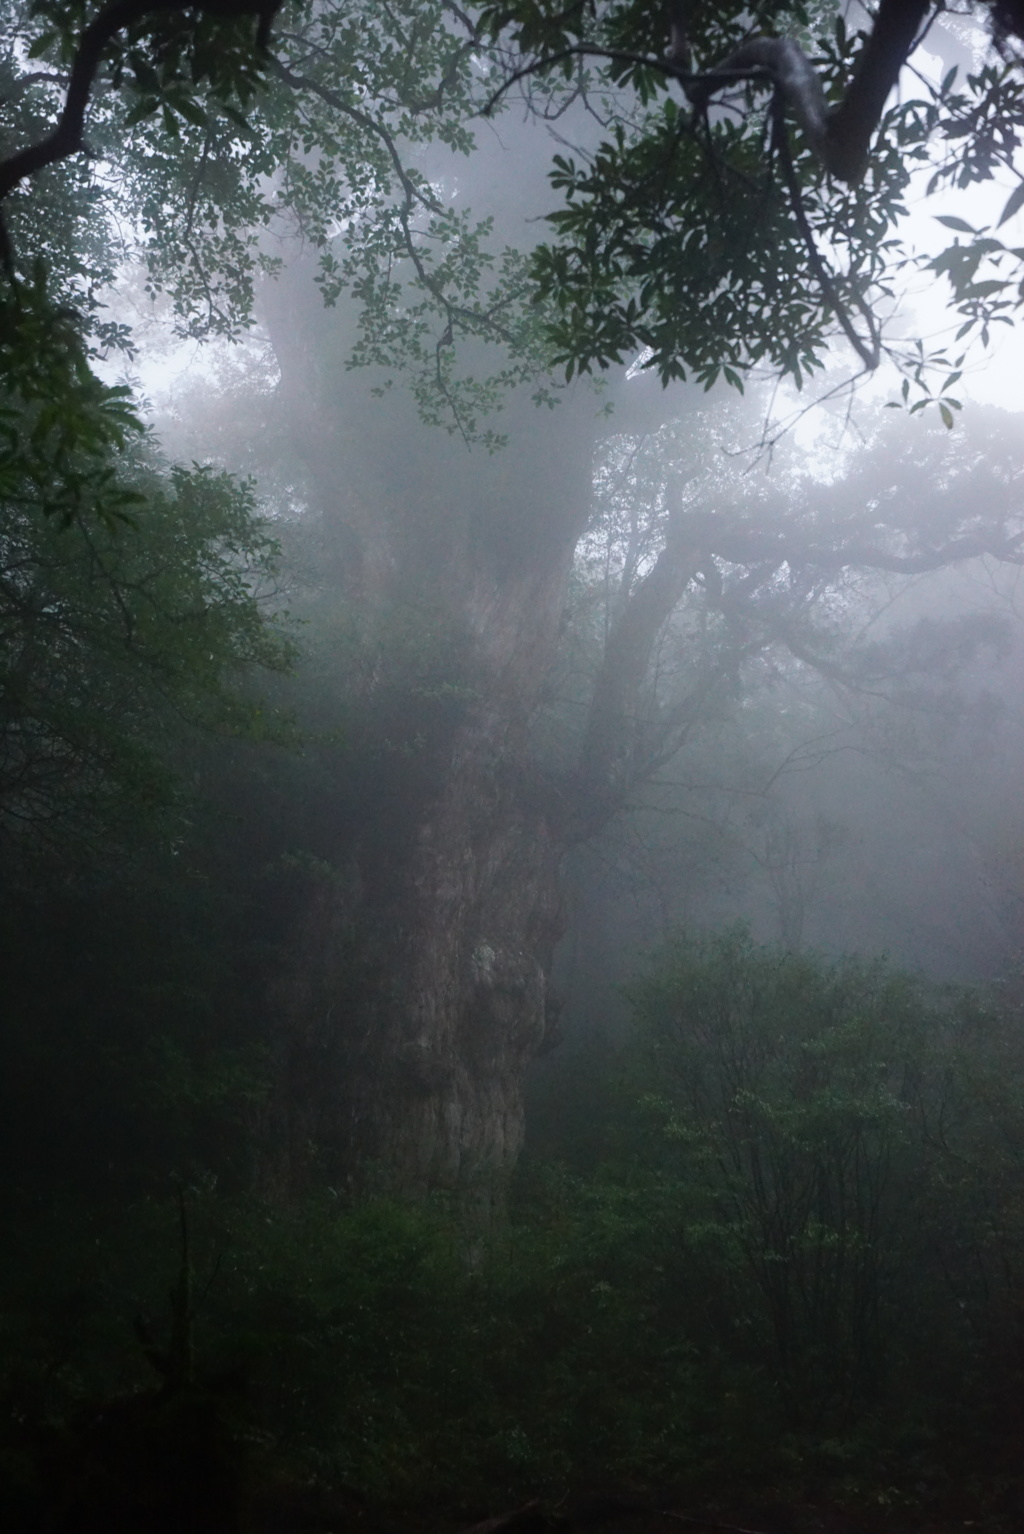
761	1276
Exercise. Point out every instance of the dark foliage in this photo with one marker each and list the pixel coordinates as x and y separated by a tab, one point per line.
791	1266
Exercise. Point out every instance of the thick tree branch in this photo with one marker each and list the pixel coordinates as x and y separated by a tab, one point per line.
742	546
841	137
783	63
605	758
851	124
614	755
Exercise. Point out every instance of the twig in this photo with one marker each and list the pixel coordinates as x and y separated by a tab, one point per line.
331	98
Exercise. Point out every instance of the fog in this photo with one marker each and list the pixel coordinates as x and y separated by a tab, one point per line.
512	837
853	811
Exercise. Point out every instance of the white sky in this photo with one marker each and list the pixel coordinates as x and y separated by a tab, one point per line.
996	375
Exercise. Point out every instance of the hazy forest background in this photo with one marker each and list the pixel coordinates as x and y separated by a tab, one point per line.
511	722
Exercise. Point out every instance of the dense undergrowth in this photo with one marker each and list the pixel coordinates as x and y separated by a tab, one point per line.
787	1252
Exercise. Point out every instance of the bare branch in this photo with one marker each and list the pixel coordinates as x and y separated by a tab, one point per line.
665	66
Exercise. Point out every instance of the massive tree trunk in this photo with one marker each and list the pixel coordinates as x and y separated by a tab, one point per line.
417	988
466	936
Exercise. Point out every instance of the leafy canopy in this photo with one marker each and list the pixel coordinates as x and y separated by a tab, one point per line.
741	207
744	203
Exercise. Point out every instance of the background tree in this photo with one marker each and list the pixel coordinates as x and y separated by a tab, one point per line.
117	640
693	592
864	791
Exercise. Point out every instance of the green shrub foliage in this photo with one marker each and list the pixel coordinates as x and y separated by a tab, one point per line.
790	1256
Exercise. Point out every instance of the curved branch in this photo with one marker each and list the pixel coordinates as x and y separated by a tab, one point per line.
66	138
783	63
839	138
25	83
606	756
829	669
331	98
613	756
870	351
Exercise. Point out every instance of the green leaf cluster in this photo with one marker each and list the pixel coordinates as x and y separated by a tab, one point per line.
118	633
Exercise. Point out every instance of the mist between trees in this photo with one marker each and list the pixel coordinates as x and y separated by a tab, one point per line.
513	857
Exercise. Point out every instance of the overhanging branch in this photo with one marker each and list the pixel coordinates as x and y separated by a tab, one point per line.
67	137
840	137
